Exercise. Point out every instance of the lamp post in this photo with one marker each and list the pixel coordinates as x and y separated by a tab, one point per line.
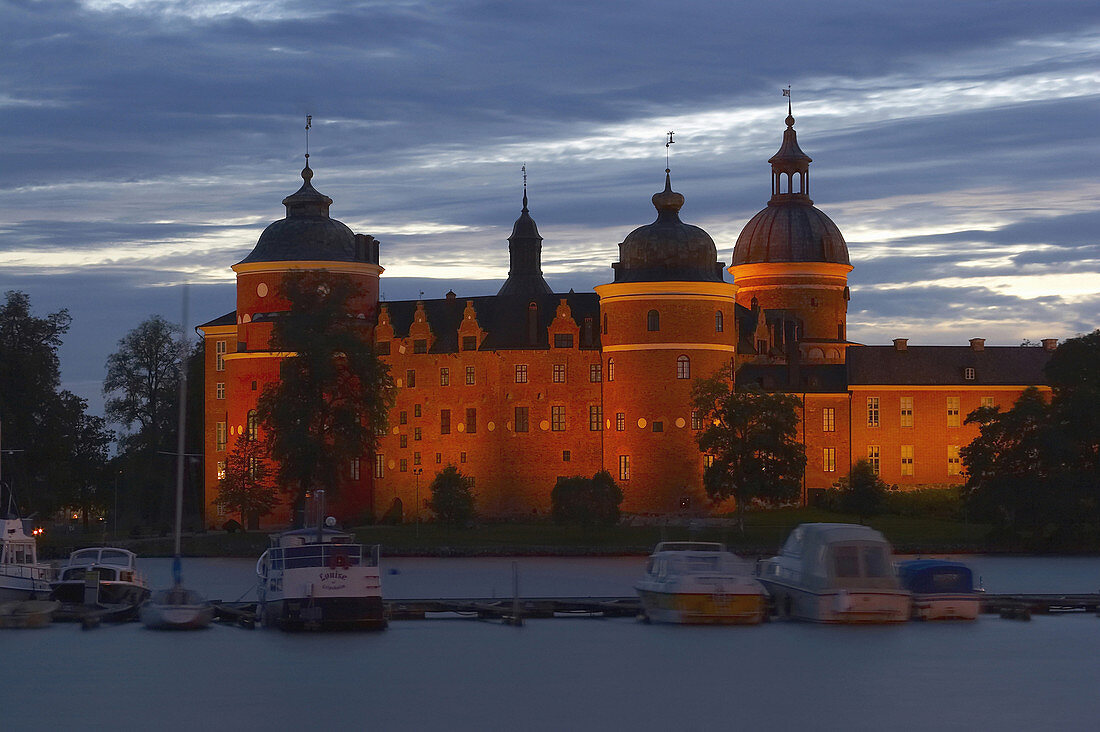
417	472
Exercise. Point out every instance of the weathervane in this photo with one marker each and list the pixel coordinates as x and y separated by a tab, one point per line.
669	142
523	168
309	123
787	94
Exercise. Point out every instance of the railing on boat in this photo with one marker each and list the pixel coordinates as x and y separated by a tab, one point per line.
317	555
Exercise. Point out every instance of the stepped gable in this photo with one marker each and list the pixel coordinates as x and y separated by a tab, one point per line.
946	365
504	318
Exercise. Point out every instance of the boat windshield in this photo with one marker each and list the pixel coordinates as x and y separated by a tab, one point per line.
321	555
852	560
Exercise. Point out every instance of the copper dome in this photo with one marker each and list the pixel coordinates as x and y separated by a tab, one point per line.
790	232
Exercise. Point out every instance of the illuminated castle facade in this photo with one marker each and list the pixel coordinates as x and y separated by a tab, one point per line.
522	387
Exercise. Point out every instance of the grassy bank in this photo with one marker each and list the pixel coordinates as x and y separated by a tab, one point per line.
764	532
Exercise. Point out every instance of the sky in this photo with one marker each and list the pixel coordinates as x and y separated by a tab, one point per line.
147	143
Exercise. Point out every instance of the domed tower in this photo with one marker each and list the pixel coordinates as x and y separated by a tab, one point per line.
306	239
791	256
525	256
667	319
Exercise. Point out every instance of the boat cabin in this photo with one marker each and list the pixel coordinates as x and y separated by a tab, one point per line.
16	547
313	548
677	558
113	564
835	556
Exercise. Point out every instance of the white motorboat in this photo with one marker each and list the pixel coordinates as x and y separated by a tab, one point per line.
312	579
21	576
177	608
104	575
695	582
835	573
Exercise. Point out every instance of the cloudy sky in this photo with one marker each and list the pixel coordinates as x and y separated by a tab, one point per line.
146	143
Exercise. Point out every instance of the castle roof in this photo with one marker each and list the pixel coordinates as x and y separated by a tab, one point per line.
946	365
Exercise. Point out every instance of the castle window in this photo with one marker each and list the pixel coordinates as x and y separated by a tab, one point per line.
403	417
379	466
404	440
221	470
907	411
253	386
522	417
420	345
696	419
595	417
417	434
252	422
353	469
404	466
521	373
813	302
417	411
382	348
952	411
872	411
557	418
219	436
610	369
828	459
620	421
761	347
953	461
872	457
410	378
220	390
594	372
469	343
719	321
987	401
906	459
563	340
471	420
462	458
624	467
559	373
469	375
683	367
565	456
658	426
438	458
444	377
416	458
968	374
219	356
828	419
708	460
653	320
444	421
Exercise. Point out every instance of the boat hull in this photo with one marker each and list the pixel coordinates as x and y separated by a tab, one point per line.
703	608
110	593
944	606
27	613
324	613
852	606
14	589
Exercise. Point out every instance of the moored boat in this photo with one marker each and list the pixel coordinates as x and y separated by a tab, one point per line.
314	579
105	575
27	613
942	589
835	573
177	608
21	575
694	582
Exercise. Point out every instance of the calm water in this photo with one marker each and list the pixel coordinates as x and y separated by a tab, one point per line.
563	674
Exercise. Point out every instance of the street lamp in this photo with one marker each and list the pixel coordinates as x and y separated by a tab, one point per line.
417	472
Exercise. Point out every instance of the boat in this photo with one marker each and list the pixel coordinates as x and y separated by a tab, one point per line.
21	575
100	576
942	589
319	579
696	582
835	573
27	613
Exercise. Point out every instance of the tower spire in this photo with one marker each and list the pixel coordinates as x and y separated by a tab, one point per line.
524	169
309	124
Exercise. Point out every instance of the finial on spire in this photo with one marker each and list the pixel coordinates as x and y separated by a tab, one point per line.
790	115
668	143
523	168
309	123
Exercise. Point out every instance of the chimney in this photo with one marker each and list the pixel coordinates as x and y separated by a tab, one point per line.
977	344
1050	344
901	344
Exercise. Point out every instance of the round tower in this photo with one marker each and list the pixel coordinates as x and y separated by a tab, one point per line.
667	319
791	256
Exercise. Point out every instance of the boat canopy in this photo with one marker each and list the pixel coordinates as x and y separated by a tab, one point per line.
930	576
103	555
839	555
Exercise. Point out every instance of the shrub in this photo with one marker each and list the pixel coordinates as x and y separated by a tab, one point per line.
586	501
453	497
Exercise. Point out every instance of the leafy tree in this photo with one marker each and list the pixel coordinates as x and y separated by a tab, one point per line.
82	469
453	498
333	394
1074	374
249	485
586	501
862	492
752	437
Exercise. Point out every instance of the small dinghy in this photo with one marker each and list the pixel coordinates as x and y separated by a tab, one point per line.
28	613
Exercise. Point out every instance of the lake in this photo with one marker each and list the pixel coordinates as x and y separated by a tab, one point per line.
569	673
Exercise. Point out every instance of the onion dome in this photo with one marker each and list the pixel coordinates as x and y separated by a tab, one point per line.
525	257
790	228
668	249
308	233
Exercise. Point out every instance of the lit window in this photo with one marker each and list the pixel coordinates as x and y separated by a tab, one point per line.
404	440
416	458
521	373
444	421
708	460
907	411
683	367
410	378
557	418
595	417
438	458
469	375
471	420
872	411
828	459
220	390
403	418
696	419
417	434
379	466
954	463
719	321
828	419
221	470
565	456
252	428
906	459
594	372
872	457
653	320
620	421
417	411
522	418
420	345
559	373
987	401
953	411
219	356
353	469
219	436
462	457
404	465
444	377
610	369
624	467
563	340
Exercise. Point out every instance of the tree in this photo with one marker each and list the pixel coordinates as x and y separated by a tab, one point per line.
333	395
80	471
862	492
752	439
1074	376
586	501
453	498
248	486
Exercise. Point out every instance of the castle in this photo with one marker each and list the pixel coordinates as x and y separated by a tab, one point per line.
527	385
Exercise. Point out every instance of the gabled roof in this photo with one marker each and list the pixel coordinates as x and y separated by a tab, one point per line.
946	365
229	318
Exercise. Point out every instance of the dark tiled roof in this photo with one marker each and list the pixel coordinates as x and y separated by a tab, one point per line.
229	318
946	365
502	317
825	378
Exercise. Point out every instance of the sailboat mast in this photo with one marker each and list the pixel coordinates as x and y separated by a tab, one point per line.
182	424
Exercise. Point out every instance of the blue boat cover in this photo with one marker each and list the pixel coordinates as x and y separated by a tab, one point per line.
935	575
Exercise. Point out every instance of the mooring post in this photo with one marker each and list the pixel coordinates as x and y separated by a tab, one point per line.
517	618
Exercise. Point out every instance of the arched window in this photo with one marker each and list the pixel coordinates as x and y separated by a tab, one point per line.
251	426
610	369
683	367
719	321
653	320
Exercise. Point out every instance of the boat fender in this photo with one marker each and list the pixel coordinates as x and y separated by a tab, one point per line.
338	561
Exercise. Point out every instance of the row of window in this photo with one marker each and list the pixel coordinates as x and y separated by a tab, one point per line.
906	412
908	465
653	321
558	373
